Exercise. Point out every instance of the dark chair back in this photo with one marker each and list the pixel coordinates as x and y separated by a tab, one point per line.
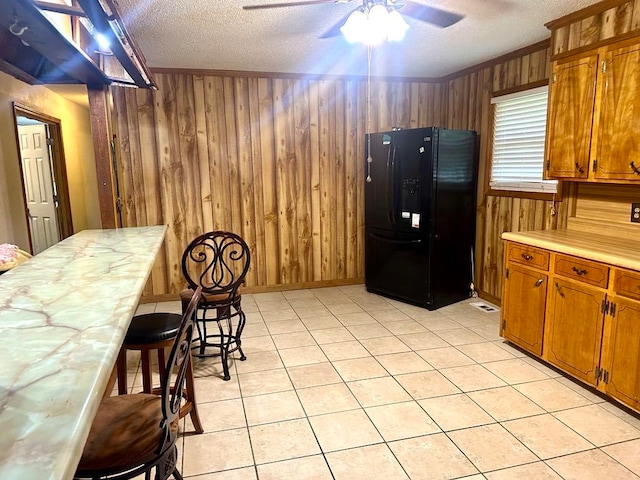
217	261
177	365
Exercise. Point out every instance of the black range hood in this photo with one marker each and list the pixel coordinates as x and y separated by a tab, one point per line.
35	49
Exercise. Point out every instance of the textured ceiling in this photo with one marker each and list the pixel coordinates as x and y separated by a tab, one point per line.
220	35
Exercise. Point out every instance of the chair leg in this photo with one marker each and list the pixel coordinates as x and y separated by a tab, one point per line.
121	367
191	396
146	371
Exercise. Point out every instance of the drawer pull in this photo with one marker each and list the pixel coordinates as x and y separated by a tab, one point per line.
526	256
635	169
579	271
559	290
540	280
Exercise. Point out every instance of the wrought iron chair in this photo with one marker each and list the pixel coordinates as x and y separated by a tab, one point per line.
218	262
134	434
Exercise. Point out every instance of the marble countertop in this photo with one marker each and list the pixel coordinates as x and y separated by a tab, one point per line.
620	252
63	316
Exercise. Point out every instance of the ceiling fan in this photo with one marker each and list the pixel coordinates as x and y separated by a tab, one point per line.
424	13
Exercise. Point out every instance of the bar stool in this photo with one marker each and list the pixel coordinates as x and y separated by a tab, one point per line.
218	262
156	331
136	434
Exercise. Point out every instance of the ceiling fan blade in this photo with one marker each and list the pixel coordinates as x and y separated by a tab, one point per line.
436	16
334	31
285	4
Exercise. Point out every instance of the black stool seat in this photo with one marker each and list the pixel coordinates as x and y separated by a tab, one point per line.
152	328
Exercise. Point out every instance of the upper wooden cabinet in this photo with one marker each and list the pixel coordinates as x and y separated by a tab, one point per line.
593	131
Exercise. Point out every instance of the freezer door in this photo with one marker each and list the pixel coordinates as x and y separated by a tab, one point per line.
396	265
397	191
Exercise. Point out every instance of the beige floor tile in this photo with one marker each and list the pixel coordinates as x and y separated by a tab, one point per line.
307	468
472	377
426	384
344	350
546	369
404	362
298	294
505	403
475	319
285	326
436	323
346	307
374	306
485	352
360	369
169	307
617	410
446	357
406	327
262	343
510	348
423	340
293	340
341	430
454	412
260	383
546	436
577	387
211	389
305	302
327	399
356	318
533	471
627	453
488	332
515	371
459	336
378	391
491	447
259	362
332	335
311	312
321	323
314	375
552	395
254	329
597	425
222	415
212	367
432	457
368	330
277	311
282	441
375	462
294	357
384	345
389	316
401	420
232	450
247	473
273	407
590	465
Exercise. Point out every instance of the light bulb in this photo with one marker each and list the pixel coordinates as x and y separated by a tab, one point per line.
396	26
355	27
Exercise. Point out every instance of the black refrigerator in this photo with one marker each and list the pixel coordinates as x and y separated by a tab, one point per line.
420	215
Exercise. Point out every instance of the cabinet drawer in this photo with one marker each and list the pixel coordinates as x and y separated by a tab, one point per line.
627	283
528	256
586	271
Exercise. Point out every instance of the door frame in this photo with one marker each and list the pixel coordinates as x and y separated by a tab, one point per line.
59	169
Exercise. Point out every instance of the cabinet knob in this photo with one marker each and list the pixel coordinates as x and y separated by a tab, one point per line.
579	271
579	168
539	282
526	256
559	289
635	169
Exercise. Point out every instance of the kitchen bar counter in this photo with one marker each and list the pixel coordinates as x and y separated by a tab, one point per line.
63	316
613	250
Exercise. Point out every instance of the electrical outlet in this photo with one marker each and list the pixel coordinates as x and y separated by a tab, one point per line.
635	212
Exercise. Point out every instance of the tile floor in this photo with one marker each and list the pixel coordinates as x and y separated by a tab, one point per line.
343	384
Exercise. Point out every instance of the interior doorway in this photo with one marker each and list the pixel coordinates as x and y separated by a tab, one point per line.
44	178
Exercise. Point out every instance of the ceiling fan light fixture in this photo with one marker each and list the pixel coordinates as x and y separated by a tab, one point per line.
373	25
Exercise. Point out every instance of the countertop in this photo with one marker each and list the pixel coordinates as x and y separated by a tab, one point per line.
63	316
620	252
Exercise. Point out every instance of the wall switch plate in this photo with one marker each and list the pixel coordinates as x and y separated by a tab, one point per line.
635	212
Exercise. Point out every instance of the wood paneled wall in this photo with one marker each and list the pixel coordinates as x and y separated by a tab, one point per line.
280	162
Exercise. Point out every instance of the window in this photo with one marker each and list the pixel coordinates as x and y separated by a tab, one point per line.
520	121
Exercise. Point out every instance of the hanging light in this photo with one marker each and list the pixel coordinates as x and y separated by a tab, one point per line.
373	23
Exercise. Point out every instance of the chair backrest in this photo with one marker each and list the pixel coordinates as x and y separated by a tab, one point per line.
176	369
217	261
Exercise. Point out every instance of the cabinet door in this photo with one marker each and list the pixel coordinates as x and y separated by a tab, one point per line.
618	150
574	335
523	306
570	118
622	361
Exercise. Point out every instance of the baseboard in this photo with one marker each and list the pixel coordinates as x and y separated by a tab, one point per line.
490	298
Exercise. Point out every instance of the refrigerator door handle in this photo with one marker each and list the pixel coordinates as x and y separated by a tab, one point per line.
394	176
390	215
393	240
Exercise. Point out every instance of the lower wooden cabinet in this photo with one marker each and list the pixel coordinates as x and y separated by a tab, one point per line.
579	315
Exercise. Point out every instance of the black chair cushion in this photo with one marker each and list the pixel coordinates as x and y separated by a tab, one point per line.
152	328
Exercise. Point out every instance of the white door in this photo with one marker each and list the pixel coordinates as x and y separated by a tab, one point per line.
38	186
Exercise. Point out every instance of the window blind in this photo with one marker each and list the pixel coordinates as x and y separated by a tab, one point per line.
520	121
